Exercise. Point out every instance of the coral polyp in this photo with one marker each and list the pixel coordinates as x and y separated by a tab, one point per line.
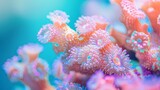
58	17
149	59
85	24
140	41
89	57
100	38
14	69
29	52
101	22
46	33
156	53
39	69
85	58
129	7
117	62
73	55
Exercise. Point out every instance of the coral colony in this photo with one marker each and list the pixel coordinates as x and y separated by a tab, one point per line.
95	58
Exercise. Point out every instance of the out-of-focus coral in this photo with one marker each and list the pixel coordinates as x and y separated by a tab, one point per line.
99	82
151	8
70	86
58	69
29	68
138	84
14	69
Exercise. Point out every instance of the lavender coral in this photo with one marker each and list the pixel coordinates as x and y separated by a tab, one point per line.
14	69
70	86
99	82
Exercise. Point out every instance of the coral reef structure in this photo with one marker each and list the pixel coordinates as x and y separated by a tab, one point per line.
96	55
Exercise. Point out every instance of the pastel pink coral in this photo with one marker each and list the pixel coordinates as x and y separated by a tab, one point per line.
85	24
117	61
30	51
58	17
140	41
100	38
46	33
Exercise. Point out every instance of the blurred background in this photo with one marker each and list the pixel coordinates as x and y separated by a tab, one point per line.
20	21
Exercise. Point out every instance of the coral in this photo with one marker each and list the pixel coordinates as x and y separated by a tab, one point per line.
140	41
46	33
29	52
117	62
32	71
150	59
57	69
39	68
86	58
129	7
100	38
89	56
85	24
60	45
141	84
70	35
97	54
73	56
158	19
70	86
58	17
100	21
151	8
99	82
130	16
14	69
50	33
138	37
